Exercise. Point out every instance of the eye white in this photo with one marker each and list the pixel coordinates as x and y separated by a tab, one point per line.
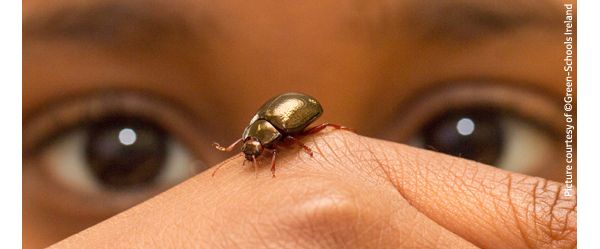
66	163
525	146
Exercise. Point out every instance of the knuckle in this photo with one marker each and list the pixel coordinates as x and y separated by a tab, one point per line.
335	213
544	217
335	217
555	215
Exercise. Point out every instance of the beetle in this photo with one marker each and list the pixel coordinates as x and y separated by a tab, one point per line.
282	119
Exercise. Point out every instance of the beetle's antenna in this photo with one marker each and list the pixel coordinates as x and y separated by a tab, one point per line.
217	168
228	148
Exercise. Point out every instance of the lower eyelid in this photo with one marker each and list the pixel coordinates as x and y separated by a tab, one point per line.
59	181
72	203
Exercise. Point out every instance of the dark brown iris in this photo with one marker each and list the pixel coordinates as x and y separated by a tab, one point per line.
125	152
476	134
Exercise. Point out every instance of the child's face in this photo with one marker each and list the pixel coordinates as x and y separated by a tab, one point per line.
186	73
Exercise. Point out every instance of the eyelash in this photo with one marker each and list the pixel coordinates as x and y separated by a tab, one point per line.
44	125
519	102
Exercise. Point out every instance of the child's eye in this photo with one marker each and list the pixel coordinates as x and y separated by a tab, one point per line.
487	136
495	124
101	162
117	154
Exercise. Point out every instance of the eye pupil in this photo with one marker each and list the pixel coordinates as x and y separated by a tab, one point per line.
474	134
124	152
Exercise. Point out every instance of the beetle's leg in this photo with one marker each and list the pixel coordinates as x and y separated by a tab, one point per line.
228	148
323	126
296	141
255	166
273	162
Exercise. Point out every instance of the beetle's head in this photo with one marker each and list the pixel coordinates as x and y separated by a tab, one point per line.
252	147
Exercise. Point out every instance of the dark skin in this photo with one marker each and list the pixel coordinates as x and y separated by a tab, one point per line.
201	69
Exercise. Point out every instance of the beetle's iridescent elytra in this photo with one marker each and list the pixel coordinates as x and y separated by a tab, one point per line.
282	119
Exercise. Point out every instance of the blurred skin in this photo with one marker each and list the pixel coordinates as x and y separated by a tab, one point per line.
368	62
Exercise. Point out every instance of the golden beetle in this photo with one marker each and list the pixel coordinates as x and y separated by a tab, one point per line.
284	118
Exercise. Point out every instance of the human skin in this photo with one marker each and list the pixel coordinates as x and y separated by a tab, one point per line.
356	192
368	63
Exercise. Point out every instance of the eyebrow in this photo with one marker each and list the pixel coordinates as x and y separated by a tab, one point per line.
137	24
466	21
119	24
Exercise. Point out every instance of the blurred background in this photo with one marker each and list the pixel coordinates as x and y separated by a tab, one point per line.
122	99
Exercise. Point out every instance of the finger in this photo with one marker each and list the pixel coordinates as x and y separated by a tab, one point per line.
348	157
297	209
490	207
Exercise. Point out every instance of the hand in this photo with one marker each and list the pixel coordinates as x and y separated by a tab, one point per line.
356	192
